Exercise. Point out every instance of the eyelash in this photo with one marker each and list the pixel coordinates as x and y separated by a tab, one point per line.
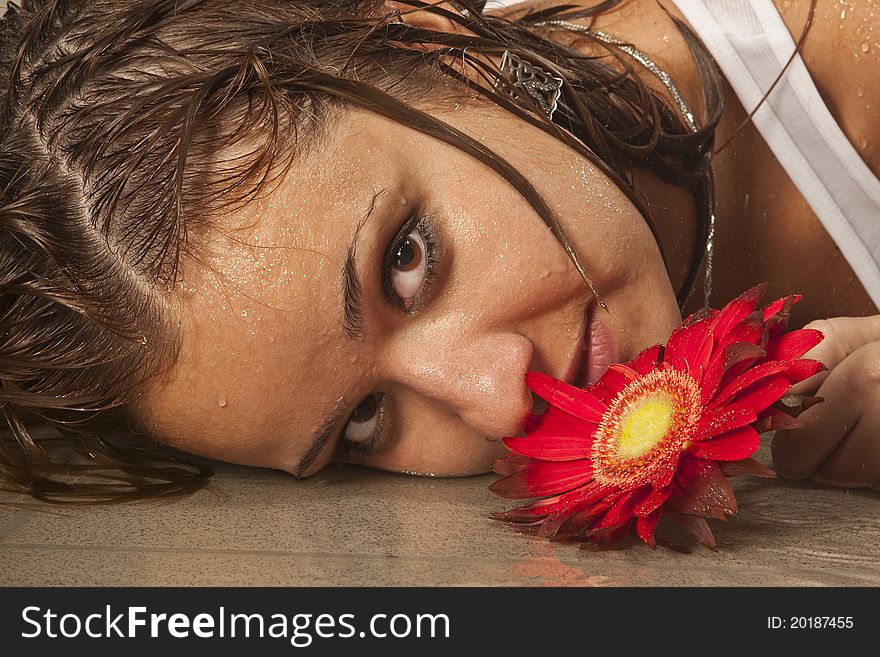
346	448
426	230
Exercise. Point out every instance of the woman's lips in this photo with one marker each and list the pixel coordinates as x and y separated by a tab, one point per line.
596	352
603	350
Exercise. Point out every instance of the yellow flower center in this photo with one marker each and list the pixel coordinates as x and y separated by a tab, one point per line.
644	425
645	428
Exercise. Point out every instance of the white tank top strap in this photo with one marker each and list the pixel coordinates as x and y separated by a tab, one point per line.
752	44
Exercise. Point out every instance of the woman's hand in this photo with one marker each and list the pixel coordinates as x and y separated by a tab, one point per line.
839	443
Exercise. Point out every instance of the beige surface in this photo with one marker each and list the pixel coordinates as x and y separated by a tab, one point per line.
356	527
350	526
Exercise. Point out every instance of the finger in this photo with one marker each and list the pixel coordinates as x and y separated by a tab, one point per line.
849	389
843	335
856	461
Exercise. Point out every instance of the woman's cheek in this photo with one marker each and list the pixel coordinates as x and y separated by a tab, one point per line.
453	457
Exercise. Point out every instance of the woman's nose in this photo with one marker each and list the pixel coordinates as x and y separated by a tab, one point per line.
481	378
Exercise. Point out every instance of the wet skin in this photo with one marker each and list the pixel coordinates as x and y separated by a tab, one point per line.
438	370
435	375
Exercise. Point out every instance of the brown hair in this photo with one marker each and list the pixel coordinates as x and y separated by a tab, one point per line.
127	127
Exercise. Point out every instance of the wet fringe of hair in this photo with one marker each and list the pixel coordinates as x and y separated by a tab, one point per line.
127	127
74	337
70	350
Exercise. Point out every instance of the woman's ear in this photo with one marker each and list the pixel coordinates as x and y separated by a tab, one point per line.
426	19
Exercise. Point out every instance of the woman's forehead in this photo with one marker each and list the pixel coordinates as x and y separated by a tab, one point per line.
262	310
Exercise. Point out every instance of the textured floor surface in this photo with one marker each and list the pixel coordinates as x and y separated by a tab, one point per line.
351	526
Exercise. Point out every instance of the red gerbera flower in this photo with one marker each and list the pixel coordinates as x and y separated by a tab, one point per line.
658	435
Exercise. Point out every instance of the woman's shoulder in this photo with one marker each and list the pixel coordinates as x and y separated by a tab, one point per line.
842	53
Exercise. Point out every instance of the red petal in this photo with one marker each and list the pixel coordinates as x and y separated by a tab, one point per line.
646	526
684	503
746	467
811	401
556	422
544	478
696	527
777	419
653	501
552	448
725	359
722	420
663	476
519	515
764	393
704	490
527	514
778	314
803	369
628	372
575	401
608	537
751	329
793	345
760	390
538	509
621	512
731	446
612	381
772	309
584	518
511	463
698	315
646	360
578	516
738	309
609	385
533	422
752	376
689	347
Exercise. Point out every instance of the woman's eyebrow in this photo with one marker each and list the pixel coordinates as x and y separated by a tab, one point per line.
352	290
352	295
320	438
352	323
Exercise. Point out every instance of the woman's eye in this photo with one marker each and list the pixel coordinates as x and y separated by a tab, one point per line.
363	424
408	266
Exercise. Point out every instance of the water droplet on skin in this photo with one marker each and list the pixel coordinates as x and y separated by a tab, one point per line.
842	13
866	46
221	401
863	144
860	92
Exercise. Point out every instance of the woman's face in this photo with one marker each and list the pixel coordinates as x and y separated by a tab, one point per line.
383	304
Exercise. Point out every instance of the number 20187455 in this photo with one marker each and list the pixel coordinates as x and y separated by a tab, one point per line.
810	622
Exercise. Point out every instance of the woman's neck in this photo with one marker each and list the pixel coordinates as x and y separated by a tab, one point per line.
765	230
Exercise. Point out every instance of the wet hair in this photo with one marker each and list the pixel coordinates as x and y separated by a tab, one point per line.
128	127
